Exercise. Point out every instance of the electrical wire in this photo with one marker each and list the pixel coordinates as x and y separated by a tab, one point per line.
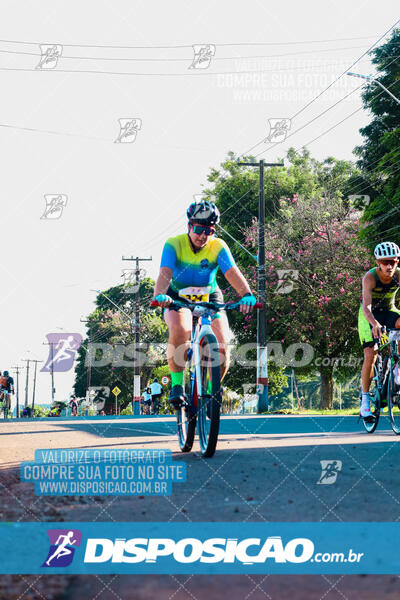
187	45
328	87
186	60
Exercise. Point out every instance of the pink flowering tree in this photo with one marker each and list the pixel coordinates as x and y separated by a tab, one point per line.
314	267
236	190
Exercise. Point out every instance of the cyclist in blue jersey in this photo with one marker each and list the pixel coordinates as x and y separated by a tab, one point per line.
189	266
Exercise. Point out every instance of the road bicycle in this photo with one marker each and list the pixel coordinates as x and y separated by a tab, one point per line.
384	390
204	398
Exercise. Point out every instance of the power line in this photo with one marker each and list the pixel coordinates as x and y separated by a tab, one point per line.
187	45
331	84
309	122
188	73
333	127
185	59
348	116
52	132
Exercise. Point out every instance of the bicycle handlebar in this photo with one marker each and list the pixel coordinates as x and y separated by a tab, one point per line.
211	305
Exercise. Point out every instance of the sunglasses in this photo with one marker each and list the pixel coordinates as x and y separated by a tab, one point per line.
389	262
203	229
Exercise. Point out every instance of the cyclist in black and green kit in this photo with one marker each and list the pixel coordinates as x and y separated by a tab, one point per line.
378	309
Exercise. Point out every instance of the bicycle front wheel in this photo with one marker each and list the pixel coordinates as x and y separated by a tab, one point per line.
393	400
210	399
186	420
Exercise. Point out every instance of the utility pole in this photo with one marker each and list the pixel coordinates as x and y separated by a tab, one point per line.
88	357
27	360
17	368
51	344
292	388
262	354
136	380
34	384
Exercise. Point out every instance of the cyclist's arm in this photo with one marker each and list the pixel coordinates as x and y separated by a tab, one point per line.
237	281
163	281
368	285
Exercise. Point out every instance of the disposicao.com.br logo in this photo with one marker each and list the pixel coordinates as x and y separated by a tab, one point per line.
247	551
62	547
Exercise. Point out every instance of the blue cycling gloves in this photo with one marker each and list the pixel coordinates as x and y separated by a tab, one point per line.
248	300
163	298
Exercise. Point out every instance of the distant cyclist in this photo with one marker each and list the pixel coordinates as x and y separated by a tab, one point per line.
146	400
378	309
6	389
189	266
156	392
73	404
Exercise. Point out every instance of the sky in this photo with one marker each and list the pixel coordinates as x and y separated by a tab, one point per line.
60	133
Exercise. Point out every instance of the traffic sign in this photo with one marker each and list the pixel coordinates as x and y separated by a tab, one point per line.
116	391
165	380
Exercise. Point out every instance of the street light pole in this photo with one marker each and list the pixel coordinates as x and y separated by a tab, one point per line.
262	353
370	78
27	360
51	344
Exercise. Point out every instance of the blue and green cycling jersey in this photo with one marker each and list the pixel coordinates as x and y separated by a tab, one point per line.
191	268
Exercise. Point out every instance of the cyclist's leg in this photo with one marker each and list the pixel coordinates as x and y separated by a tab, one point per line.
220	327
370	353
368	368
180	327
6	403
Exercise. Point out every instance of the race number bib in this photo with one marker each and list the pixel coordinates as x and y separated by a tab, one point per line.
195	294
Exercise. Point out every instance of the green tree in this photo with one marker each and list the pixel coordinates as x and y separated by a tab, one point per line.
111	345
379	153
316	239
236	191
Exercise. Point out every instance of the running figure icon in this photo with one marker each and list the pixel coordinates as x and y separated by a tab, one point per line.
62	549
62	351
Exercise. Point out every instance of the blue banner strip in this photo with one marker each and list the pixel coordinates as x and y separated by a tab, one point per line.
195	548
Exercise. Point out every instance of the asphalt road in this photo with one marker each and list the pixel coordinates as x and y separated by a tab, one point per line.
265	469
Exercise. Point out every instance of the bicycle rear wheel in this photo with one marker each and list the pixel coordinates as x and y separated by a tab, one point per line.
393	400
209	402
371	423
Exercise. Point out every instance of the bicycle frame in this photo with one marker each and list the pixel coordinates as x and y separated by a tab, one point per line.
386	364
202	406
199	330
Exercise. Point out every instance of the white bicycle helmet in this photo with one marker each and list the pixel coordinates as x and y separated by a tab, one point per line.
387	250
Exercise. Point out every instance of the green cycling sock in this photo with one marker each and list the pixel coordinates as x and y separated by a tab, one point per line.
209	387
177	378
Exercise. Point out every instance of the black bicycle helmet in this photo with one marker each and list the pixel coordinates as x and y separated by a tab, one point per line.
204	211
